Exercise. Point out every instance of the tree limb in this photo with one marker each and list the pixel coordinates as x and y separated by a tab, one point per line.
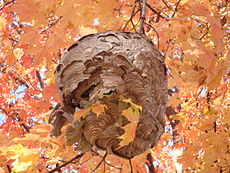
143	13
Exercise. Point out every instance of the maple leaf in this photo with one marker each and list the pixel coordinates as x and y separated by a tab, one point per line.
98	109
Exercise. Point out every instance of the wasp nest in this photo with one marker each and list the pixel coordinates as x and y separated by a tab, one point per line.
100	68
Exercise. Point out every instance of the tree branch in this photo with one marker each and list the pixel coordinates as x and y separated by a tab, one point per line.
150	163
143	13
66	163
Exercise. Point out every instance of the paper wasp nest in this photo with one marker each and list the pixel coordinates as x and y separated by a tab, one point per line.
101	68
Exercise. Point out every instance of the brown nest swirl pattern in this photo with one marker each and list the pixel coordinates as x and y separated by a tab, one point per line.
114	63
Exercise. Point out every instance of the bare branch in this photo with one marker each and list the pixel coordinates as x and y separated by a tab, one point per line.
66	163
143	13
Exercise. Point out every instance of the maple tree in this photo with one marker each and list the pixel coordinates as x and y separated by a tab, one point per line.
192	35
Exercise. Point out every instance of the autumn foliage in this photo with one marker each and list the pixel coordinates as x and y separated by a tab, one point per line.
192	35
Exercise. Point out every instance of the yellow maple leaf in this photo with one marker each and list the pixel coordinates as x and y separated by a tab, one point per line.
98	109
130	129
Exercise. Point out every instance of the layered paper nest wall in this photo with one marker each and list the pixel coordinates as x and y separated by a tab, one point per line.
102	67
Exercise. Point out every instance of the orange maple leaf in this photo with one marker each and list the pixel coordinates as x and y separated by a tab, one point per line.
98	109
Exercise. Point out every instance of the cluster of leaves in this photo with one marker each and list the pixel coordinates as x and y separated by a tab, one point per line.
192	35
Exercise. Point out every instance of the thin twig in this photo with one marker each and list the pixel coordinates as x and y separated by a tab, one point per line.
176	8
169	7
66	163
156	12
103	159
30	84
51	25
7	3
131	166
134	26
131	18
39	79
143	13
201	37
